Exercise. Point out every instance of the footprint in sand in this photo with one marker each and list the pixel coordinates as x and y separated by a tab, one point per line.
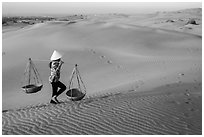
187	94
102	57
195	87
189	99
181	74
199	84
109	62
94	52
119	67
188	102
192	109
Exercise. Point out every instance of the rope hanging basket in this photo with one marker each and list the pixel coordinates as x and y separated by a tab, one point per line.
79	91
32	82
32	88
75	94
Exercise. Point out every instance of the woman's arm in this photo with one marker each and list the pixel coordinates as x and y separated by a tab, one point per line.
60	64
55	66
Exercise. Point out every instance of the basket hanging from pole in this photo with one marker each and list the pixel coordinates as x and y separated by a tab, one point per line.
32	82
77	89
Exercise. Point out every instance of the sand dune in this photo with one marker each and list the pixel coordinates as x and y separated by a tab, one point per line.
163	110
141	78
176	20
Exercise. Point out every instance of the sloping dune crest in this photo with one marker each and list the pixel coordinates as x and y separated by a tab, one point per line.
103	53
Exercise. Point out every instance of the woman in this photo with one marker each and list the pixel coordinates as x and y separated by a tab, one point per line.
55	66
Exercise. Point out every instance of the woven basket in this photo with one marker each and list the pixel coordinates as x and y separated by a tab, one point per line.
32	88
75	94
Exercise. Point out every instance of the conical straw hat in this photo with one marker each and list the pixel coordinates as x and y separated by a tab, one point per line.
55	55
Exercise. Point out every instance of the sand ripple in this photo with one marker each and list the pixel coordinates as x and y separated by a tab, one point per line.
129	113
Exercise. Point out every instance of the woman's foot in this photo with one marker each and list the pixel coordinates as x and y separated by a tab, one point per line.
54	98
53	102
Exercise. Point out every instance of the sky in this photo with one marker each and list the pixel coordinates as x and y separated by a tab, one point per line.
57	8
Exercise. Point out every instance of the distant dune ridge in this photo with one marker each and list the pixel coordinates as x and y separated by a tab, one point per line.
142	73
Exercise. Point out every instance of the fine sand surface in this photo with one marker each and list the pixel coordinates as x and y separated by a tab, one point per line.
139	79
171	109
